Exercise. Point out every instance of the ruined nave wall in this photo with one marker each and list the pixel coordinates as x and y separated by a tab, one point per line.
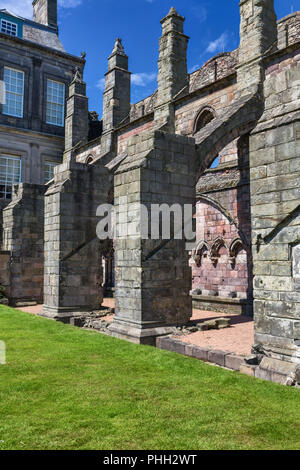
275	176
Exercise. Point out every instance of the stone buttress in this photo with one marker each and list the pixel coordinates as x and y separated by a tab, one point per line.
153	277
73	253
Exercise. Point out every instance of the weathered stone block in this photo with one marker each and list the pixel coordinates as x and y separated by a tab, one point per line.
233	361
217	357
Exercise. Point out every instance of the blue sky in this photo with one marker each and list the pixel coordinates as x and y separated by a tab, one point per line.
93	25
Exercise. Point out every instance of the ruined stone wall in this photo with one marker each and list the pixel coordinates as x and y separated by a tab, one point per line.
187	111
222	213
73	262
275	173
214	69
123	138
289	30
229	187
222	261
23	238
153	277
223	272
5	271
89	152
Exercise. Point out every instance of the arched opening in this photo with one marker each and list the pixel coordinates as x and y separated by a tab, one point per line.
222	282
204	117
202	251
215	163
109	274
90	159
218	251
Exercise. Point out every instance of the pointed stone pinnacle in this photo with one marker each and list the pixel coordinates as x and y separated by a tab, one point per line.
172	12
118	47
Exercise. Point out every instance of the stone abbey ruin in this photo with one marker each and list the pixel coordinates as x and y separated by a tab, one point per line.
242	107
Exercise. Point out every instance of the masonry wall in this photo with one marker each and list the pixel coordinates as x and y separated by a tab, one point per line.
219	273
124	137
5	271
29	137
153	277
73	262
216	96
23	238
275	173
228	186
38	64
222	261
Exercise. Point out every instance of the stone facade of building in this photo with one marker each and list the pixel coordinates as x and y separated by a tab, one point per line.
29	135
242	107
31	142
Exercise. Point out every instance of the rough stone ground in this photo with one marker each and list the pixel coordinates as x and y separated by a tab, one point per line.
237	339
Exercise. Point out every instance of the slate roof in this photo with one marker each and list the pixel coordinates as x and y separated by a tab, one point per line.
38	33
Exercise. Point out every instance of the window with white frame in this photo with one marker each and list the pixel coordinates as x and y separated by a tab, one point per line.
14	92
10	174
55	109
8	27
49	171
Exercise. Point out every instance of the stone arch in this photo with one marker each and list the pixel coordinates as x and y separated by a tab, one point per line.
204	116
235	246
232	220
199	252
90	159
237	120
217	245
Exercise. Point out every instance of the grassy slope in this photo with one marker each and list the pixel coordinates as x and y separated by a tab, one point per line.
64	388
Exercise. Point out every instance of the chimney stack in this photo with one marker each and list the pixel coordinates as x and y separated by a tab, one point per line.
45	12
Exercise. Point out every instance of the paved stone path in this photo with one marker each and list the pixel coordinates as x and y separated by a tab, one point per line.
237	339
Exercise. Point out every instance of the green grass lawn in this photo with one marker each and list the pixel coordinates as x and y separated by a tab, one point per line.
64	388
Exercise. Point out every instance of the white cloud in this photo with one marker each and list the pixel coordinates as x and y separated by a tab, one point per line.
219	44
194	68
18	7
200	13
101	84
24	8
142	79
69	3
137	79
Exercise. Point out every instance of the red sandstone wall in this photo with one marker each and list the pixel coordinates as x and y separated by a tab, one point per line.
123	138
216	275
223	217
187	112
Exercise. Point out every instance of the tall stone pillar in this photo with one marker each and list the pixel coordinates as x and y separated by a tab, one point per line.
172	67
153	277
116	96
258	32
77	123
73	265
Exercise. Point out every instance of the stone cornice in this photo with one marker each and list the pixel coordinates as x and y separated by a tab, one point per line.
48	50
29	132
